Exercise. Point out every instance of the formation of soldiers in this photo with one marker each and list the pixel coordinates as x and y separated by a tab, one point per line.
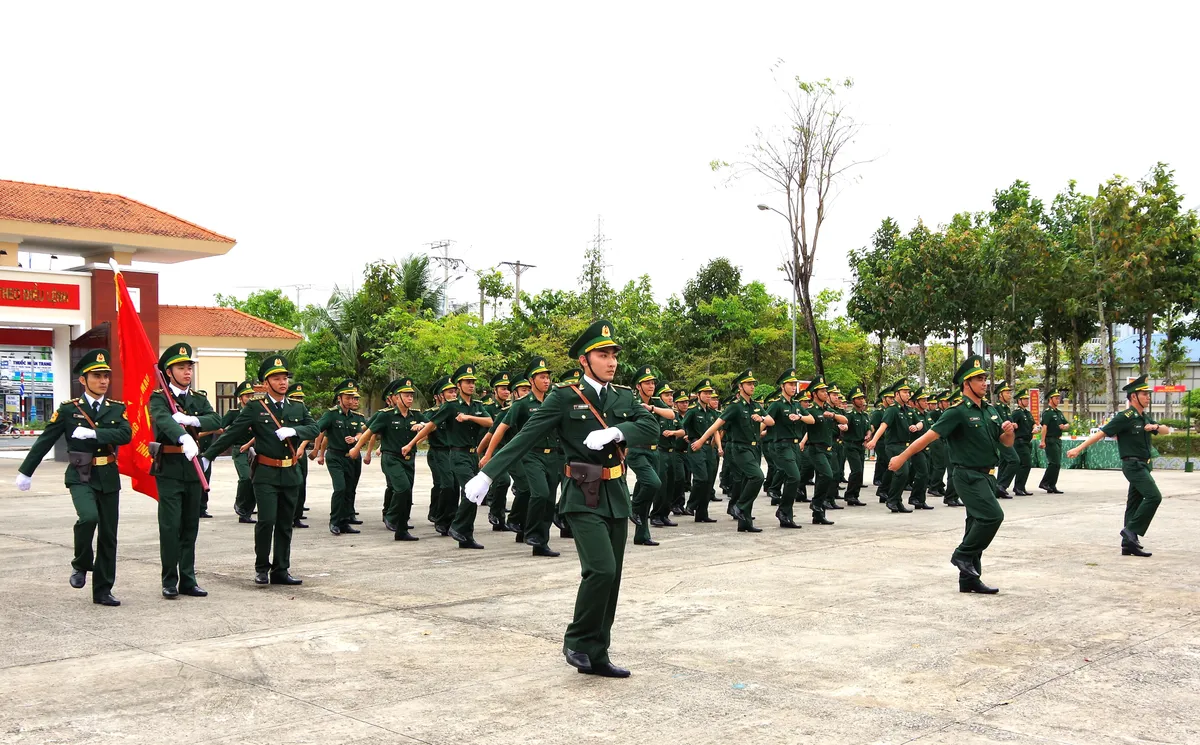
564	448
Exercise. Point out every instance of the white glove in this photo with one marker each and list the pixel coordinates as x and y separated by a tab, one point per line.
83	433
477	488
598	439
285	432
190	448
23	481
204	463
186	419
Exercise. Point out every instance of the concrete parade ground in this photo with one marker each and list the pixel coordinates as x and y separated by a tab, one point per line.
854	633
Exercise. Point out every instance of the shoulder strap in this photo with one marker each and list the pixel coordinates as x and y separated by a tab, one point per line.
604	424
267	406
91	424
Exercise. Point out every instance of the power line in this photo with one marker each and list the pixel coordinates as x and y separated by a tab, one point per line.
517	269
447	263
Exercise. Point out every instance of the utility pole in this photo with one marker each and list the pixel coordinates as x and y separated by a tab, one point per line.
517	268
447	263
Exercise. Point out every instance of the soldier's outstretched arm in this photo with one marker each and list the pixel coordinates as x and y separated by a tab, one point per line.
240	425
55	429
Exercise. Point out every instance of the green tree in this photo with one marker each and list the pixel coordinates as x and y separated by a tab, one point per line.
270	305
492	287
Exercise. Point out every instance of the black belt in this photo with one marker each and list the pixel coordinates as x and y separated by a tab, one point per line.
1023	441
462	450
401	456
548	451
438	447
980	469
1135	458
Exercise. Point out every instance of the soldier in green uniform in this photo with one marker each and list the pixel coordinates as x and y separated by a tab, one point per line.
976	431
937	449
1054	423
670	469
821	419
702	456
745	418
591	418
807	472
858	431
443	498
784	445
951	499
1022	444
278	425
1133	428
295	392
683	403
1009	462
243	502
203	441
395	426
773	481
539	467
94	426
572	376
839	448
643	461
179	490
497	500
463	419
919	406
881	477
897	428
341	425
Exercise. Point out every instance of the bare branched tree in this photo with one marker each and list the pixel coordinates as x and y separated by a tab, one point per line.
804	163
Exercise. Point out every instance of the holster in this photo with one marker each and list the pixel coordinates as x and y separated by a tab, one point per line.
587	477
155	458
83	465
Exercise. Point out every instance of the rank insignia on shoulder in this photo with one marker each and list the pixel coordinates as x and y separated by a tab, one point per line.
1129	412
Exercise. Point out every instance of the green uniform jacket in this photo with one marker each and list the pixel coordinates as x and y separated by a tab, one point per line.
898	419
696	422
1052	418
112	429
338	426
167	431
785	429
1129	427
395	429
519	415
739	427
465	435
972	433
820	433
1024	421
565	414
859	424
255	419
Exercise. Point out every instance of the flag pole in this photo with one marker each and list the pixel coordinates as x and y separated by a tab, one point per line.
162	382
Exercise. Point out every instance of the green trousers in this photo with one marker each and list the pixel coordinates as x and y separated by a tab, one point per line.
399	474
1009	463
465	465
881	470
839	460
920	478
345	473
543	472
644	464
1053	462
520	503
807	472
497	499
276	506
600	543
937	466
670	474
826	488
302	494
897	480
773	481
1143	498
786	455
96	509
856	457
978	492
243	502
703	465
178	525
442	496
748	478
1024	451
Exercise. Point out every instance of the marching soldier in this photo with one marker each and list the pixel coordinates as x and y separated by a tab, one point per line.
463	419
341	425
900	426
821	420
591	418
1133	428
937	449
919	405
784	446
278	426
679	505
670	470
94	426
702	456
643	461
745	418
295	392
976	431
497	500
179	489
443	497
951	499
1022	445
243	502
839	448
1054	423
858	431
1009	462
572	376
881	478
807	473
395	426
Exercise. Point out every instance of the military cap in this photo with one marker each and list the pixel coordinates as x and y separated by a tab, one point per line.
95	360
900	385
272	365
1134	386
444	383
246	388
747	376
574	375
296	391
681	394
1002	386
538	365
347	386
971	367
644	373
522	382
834	389
817	383
663	387
175	354
1023	393
464	372
500	378
399	385
888	392
787	376
702	385
920	393
596	336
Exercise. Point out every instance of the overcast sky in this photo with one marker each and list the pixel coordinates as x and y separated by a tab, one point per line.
323	136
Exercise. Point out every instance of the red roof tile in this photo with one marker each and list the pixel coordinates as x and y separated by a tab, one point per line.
201	320
92	209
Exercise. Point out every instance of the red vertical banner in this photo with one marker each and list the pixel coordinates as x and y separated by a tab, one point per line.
1035	406
138	375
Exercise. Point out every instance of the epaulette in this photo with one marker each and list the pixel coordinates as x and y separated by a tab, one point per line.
158	390
566	385
1129	412
115	401
75	401
622	387
333	408
389	408
258	397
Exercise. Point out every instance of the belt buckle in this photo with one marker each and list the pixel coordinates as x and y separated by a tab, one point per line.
654	447
286	463
754	442
470	450
102	461
545	451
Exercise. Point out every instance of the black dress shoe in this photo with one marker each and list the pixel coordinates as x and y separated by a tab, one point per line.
656	522
775	501
441	530
545	551
351	528
1131	550
706	519
356	513
195	592
646	542
470	543
205	514
107	599
876	483
355	522
964	566
246	519
170	593
820	519
736	512
1002	493
751	529
520	537
260	578
306	509
855	502
973	584
715	498
496	528
510	526
898	507
78	579
831	505
405	536
1056	490
677	511
668	523
335	530
557	520
388	525
1129	538
298	524
788	524
606	670
923	506
566	533
688	511
285	579
409	526
578	660
636	519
